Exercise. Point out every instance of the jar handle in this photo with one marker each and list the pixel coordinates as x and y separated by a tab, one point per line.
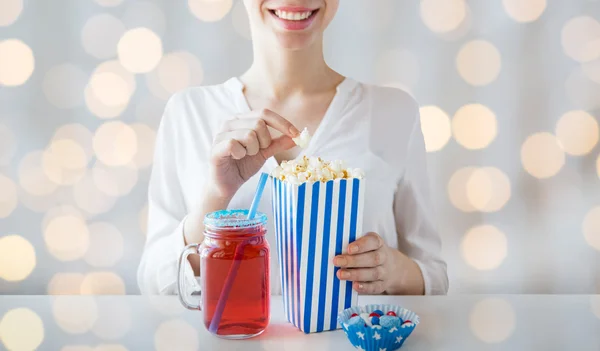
189	250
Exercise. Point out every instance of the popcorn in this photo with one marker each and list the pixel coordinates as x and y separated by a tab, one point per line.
303	139
314	169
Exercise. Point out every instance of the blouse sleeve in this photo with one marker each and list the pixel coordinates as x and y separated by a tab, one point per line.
415	220
157	272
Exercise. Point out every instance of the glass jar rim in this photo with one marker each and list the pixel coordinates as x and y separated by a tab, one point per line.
237	219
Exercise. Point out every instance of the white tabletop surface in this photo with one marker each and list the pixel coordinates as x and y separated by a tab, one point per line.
456	322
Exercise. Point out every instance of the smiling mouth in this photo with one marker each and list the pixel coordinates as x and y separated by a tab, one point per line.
294	16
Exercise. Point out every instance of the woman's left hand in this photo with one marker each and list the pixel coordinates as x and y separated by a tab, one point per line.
370	264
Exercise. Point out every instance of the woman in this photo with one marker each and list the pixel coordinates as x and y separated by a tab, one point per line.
214	140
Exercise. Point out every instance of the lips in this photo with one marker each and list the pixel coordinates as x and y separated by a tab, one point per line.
294	18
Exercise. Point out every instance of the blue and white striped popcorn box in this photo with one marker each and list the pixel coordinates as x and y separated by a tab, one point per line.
314	222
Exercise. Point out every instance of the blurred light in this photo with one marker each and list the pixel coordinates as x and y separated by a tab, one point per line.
115	181
78	133
64	162
194	64
484	247
102	283
474	126
170	76
143	218
8	145
176	334
114	66
115	143
98	109
75	315
488	189
67	237
578	132
8	196
94	104
542	155
17	258
106	245
592	70
77	348
373	18
240	20
435	125
21	329
39	204
65	284
210	10
109	3
524	10
90	199
140	50
150	111
581	38
10	10
146	138
492	320
110	347
442	16
100	36
114	319
60	211
591	228
457	189
16	62
400	66
110	89
165	305
32	177
479	62
63	85
145	14
582	91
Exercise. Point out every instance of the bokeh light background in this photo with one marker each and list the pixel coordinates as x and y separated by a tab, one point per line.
510	96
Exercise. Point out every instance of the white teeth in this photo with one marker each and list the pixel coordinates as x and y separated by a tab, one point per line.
293	16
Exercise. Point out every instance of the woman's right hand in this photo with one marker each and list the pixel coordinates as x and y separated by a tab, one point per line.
244	144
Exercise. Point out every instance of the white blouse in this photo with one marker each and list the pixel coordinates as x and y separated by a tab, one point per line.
370	127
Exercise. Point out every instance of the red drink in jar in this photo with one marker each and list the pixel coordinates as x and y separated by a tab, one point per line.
234	271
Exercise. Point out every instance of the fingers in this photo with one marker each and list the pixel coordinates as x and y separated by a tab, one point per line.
258	125
369	242
369	259
362	274
277	122
278	145
269	117
238	144
229	148
369	288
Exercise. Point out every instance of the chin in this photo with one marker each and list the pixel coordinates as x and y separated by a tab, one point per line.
296	41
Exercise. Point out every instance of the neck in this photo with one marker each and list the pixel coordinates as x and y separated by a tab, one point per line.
277	72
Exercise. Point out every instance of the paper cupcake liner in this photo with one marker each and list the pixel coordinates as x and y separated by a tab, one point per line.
376	337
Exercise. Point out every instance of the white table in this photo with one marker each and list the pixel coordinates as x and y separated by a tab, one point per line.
459	322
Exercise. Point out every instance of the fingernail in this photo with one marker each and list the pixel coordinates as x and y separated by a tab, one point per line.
360	286
340	261
352	249
294	131
345	275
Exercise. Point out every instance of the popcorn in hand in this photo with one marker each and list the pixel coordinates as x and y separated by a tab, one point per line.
303	139
314	169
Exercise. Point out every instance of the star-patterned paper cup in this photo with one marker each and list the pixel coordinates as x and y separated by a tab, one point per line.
370	333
